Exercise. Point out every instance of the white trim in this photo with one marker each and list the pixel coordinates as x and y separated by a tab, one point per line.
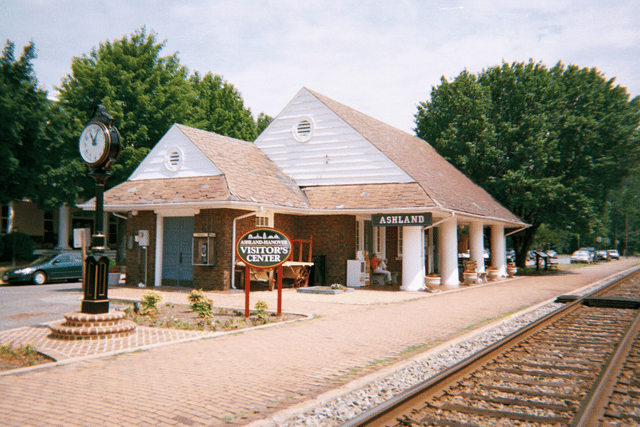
157	281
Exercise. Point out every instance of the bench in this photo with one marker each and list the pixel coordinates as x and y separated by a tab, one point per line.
554	262
378	278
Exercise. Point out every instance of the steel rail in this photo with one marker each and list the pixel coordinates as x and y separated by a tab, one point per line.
407	400
598	398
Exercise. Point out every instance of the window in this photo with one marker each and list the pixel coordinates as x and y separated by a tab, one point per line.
369	238
399	241
303	129
264	219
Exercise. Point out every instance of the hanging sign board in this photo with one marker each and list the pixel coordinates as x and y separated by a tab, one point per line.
401	220
263	248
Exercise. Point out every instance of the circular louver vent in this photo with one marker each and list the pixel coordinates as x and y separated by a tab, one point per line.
173	159
303	129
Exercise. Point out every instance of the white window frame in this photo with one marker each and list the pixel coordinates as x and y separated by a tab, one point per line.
264	219
400	238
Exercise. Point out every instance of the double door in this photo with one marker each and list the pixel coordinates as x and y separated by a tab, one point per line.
177	253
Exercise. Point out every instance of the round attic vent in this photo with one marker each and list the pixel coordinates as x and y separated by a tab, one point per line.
303	129
173	159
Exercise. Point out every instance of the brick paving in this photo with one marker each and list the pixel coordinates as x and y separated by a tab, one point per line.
210	379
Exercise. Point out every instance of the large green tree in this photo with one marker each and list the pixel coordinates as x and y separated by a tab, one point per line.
23	109
219	108
146	93
549	144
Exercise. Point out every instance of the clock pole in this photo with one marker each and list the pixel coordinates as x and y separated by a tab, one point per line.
100	151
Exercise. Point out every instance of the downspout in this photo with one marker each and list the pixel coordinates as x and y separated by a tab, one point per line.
233	242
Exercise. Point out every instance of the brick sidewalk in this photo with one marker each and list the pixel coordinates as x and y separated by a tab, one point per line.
250	375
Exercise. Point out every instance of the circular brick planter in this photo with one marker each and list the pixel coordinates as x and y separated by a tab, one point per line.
83	326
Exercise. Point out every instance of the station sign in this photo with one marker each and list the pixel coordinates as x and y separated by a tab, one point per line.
263	248
402	220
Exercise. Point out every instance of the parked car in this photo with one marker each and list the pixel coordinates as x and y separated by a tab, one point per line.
591	251
602	255
581	256
511	256
613	254
552	253
65	266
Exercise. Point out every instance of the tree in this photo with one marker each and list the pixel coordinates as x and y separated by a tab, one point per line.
146	94
219	108
548	144
22	108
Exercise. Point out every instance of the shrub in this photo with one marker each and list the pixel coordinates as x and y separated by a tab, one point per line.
149	303
200	304
261	310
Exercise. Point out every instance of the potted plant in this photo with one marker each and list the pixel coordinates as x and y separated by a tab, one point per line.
470	276
512	270
492	273
114	273
432	279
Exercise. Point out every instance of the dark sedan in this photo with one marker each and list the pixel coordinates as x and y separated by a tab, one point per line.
49	268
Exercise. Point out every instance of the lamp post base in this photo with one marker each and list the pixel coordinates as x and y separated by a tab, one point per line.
95	306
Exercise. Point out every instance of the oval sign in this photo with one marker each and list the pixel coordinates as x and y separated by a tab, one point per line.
263	248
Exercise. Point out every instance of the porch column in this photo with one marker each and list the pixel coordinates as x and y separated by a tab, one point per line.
157	278
63	228
498	251
476	244
448	248
412	259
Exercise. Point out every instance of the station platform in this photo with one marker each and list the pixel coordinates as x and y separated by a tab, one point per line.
262	375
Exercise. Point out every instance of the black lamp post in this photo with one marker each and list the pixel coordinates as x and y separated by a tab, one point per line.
100	147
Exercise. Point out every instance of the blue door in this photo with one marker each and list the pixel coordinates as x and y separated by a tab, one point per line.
177	256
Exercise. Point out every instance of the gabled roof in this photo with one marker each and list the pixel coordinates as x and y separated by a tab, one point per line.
235	171
247	176
442	183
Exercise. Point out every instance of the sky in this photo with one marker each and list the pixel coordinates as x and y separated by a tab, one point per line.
379	57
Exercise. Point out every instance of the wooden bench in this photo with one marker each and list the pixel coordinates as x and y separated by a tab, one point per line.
554	262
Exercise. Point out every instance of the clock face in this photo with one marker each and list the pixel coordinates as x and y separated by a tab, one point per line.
93	144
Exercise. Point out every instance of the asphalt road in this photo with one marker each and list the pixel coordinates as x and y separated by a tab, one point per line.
30	305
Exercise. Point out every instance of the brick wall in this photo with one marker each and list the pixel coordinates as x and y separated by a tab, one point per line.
333	237
135	254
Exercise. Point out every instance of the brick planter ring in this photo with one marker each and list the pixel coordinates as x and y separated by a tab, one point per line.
82	326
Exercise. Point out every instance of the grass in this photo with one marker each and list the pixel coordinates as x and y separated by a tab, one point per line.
21	357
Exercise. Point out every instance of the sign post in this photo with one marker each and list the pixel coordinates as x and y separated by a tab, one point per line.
263	248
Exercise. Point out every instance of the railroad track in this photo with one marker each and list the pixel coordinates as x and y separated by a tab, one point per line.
578	366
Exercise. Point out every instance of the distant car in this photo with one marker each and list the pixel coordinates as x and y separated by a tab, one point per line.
592	252
552	253
581	257
511	256
49	268
613	254
602	256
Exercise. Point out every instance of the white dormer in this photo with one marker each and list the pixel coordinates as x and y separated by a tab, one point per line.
175	156
314	146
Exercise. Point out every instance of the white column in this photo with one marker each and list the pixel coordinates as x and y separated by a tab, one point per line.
412	259
476	244
159	249
498	250
448	248
63	228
